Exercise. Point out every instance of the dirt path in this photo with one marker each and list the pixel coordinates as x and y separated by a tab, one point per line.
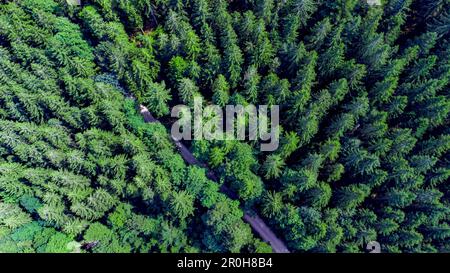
253	219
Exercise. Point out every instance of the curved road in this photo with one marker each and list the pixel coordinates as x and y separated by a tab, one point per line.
253	219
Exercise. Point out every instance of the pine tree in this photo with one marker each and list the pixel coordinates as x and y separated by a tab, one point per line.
220	91
182	204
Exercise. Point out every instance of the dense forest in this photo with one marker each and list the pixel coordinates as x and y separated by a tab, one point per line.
364	154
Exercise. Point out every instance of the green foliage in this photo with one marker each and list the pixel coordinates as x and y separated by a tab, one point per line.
80	171
364	114
226	229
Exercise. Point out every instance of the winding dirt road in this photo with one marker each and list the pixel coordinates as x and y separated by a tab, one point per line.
253	219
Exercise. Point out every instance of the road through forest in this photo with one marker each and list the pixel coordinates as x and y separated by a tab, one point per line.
253	219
